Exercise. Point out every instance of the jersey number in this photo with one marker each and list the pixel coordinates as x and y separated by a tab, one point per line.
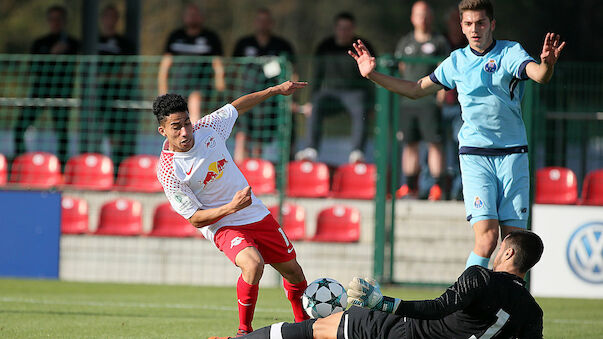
501	319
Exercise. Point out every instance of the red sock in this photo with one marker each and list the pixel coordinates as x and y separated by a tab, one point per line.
294	294
247	297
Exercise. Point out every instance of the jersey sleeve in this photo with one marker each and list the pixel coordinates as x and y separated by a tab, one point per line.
180	196
221	120
516	60
468	286
443	74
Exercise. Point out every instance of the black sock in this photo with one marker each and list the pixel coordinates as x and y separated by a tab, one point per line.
439	181
302	330
412	182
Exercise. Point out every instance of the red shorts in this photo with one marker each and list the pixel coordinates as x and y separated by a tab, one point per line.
265	235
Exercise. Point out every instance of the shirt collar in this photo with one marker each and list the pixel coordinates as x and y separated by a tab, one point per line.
485	51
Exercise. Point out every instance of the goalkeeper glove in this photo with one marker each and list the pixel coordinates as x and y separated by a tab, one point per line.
367	293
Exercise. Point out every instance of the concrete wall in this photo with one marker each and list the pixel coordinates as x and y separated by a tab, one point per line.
432	243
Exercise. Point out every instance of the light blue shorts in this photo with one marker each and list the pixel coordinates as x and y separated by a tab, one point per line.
496	187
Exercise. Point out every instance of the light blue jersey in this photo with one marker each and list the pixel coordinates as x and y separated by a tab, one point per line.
490	91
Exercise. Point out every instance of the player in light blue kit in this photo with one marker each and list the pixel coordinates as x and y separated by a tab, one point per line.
493	145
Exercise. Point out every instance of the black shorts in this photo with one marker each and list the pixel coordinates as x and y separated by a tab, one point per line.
421	123
362	323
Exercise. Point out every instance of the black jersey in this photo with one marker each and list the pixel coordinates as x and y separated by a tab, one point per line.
276	46
481	304
53	78
114	45
205	43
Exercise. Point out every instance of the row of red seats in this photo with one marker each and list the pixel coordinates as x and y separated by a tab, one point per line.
559	185
93	171
123	217
554	185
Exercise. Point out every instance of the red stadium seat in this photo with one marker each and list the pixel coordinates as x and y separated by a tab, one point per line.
592	190
168	223
37	170
120	217
74	216
556	185
338	224
294	220
139	173
307	179
89	171
355	181
259	174
3	170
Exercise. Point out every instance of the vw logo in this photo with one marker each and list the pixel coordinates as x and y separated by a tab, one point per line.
585	252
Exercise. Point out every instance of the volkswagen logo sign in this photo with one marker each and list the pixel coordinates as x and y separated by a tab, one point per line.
585	252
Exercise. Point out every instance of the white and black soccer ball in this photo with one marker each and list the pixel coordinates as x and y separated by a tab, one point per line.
324	297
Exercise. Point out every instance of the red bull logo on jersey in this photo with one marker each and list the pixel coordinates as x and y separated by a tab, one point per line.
490	66
215	170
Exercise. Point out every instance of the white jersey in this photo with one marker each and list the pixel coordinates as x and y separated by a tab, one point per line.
205	176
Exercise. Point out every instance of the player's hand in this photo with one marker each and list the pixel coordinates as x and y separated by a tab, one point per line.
289	87
364	293
241	199
366	62
551	49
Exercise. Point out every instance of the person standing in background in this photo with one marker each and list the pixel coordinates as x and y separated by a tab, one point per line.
52	79
192	79
421	119
336	85
260	124
114	81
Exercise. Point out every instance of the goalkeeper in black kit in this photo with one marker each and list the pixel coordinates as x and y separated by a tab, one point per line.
481	304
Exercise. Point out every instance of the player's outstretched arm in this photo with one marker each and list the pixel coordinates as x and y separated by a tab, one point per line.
551	50
246	102
207	217
367	63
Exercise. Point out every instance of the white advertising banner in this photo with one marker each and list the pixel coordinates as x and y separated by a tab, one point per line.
572	262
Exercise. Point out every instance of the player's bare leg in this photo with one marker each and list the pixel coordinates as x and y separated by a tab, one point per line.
194	106
435	161
410	168
240	143
295	284
486	238
326	328
251	263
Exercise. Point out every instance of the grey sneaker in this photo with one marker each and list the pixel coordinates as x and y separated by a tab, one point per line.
309	154
356	156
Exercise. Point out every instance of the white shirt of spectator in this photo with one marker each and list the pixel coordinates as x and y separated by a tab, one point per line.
206	176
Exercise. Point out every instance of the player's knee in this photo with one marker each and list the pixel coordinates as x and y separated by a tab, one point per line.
487	243
252	268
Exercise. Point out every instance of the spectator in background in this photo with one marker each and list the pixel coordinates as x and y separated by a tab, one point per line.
260	124
336	79
51	79
114	81
420	119
192	79
451	110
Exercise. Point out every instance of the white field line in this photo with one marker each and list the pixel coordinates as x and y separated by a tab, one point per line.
135	305
208	307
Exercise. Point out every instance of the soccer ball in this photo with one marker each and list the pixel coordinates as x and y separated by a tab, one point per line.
324	297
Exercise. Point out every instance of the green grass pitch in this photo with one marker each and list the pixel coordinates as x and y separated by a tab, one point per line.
55	309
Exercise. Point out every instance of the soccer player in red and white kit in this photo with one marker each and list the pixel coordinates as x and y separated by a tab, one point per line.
204	185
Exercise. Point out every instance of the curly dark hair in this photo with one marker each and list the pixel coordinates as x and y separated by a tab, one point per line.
166	104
